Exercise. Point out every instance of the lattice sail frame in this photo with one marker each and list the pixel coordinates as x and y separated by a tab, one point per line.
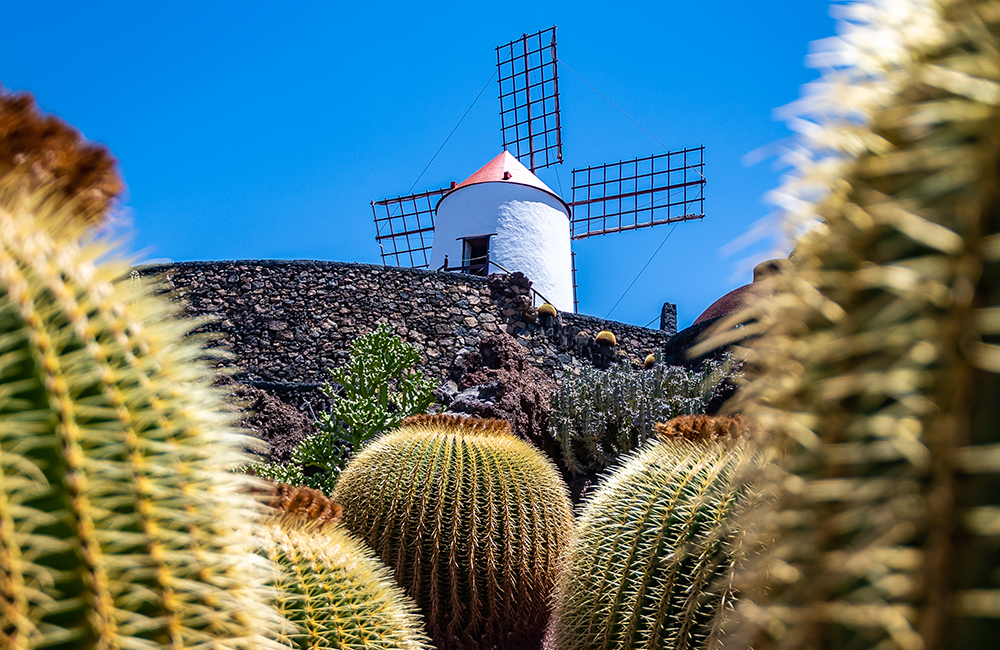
528	77
639	193
405	228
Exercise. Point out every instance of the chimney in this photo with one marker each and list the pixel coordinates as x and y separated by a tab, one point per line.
668	318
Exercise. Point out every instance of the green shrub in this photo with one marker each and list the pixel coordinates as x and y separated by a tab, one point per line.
604	414
375	391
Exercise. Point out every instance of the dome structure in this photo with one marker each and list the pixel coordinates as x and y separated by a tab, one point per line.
741	297
505	216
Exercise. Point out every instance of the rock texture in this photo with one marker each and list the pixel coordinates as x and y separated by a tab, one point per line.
286	322
280	425
498	382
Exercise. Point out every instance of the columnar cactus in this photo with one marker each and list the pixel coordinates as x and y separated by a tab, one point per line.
649	565
876	375
602	415
336	592
120	526
471	520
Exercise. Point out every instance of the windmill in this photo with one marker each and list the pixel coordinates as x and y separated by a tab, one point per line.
506	214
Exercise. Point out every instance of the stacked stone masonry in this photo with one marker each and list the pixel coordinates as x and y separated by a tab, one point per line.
288	321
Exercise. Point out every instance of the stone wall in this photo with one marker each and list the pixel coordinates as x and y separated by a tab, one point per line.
287	321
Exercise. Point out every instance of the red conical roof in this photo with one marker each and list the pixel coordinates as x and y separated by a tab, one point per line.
505	168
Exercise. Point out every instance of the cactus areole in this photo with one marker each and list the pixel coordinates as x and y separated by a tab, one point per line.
470	518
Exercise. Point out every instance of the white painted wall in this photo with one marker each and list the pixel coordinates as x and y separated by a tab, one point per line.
532	234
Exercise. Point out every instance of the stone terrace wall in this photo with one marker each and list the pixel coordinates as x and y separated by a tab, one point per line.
287	321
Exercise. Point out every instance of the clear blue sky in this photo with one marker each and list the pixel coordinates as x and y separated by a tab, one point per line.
264	130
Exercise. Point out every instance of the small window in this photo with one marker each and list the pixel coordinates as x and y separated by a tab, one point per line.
476	255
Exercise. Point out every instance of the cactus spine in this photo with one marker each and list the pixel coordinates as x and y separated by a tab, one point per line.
340	596
120	526
870	378
648	567
472	521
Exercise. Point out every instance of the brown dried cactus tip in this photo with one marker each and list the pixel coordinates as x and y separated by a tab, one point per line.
449	423
303	501
45	151
604	337
699	428
547	309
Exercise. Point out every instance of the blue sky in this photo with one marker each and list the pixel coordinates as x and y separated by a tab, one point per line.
263	130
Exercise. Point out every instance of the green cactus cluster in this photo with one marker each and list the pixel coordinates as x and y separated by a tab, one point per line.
603	415
471	520
373	392
650	564
874	380
120	526
338	595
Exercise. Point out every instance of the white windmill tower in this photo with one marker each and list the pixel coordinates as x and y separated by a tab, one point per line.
505	218
504	215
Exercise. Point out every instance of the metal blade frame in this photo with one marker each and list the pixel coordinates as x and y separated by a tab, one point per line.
639	193
404	228
528	77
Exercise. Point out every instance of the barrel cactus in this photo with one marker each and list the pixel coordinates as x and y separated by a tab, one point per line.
547	309
471	520
649	567
607	338
876	376
120	526
41	153
336	592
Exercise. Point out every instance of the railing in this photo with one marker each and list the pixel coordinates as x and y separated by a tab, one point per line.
476	266
484	267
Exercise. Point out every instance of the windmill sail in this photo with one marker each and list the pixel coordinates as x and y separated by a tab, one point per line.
404	228
529	99
615	197
640	193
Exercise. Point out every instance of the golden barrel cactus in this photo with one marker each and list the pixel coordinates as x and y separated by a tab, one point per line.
649	566
336	592
605	337
120	524
471	519
875	377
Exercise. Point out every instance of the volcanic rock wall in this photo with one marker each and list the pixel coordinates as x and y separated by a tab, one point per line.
288	321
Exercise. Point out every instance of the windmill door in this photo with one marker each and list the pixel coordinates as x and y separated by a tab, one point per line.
476	255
